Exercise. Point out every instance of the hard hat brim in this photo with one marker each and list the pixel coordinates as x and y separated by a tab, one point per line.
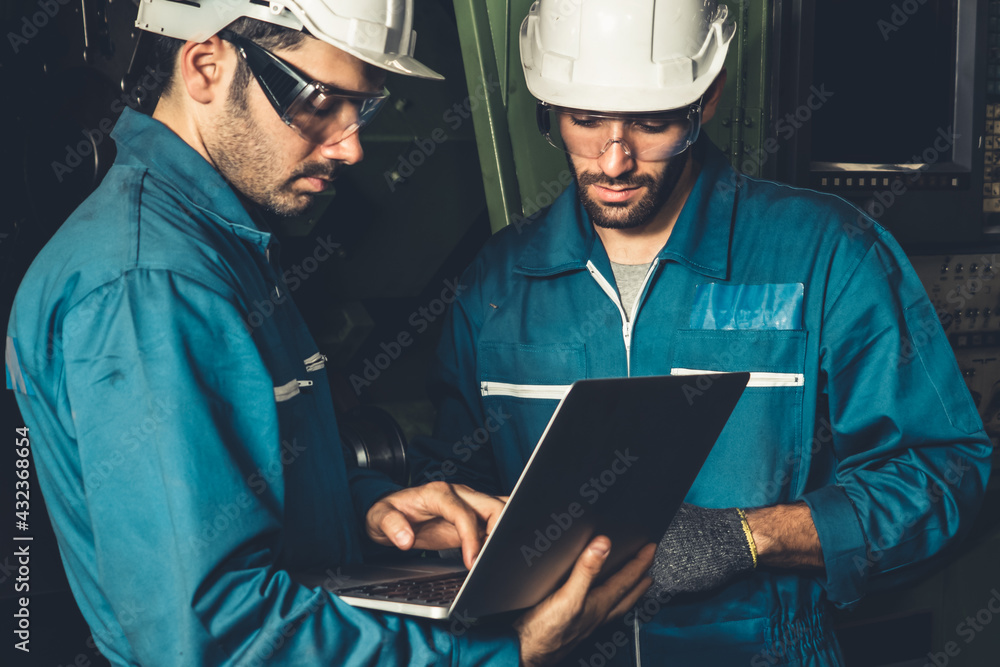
406	65
193	22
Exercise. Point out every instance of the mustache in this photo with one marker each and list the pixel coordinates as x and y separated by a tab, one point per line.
317	170
631	181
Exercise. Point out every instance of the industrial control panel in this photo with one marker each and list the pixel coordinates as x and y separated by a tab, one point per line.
991	136
991	169
965	291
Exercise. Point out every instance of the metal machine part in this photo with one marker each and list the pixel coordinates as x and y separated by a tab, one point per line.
373	439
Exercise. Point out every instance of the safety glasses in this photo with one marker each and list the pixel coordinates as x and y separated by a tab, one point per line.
643	136
319	112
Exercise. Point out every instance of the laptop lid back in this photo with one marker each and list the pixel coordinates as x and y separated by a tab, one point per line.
616	459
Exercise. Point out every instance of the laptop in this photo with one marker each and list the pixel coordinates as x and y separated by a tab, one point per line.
617	458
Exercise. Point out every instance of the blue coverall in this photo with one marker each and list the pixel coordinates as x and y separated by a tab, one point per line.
184	435
855	403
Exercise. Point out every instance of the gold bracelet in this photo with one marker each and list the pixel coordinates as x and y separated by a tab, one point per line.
746	531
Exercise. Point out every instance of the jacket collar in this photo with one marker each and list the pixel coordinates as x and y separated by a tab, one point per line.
700	239
145	142
564	240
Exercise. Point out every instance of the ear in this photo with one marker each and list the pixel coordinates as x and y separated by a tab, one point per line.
712	96
205	66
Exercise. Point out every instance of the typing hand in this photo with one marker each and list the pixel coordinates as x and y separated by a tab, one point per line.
434	516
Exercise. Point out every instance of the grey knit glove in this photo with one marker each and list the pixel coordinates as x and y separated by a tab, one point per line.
701	550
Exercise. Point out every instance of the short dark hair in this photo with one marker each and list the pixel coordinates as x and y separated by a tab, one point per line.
164	49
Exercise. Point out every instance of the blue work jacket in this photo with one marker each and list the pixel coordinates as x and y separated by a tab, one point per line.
855	403
184	436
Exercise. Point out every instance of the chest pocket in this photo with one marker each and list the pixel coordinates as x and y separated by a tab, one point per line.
520	386
757	459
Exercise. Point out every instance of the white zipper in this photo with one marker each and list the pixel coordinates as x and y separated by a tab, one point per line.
286	391
757	378
315	362
553	391
267	255
638	652
290	390
626	324
626	321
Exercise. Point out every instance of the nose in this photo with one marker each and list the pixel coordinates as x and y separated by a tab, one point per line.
347	150
615	161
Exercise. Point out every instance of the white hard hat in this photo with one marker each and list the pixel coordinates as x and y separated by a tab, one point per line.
378	32
624	55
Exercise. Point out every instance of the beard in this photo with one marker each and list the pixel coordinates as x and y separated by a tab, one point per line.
629	215
244	155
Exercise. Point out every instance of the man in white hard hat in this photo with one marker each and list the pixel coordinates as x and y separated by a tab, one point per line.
188	451
856	454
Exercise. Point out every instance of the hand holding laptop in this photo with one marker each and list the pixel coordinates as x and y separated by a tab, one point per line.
434	516
615	460
441	516
555	625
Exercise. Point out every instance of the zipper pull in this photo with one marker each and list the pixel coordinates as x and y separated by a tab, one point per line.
315	362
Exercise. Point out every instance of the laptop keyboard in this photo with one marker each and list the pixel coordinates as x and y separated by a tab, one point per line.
438	590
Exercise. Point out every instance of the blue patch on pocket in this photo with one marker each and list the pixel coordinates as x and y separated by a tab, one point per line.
721	306
16	379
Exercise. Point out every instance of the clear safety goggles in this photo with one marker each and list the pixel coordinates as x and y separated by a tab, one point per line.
319	112
643	136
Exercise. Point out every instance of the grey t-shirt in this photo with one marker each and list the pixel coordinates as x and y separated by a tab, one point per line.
629	278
